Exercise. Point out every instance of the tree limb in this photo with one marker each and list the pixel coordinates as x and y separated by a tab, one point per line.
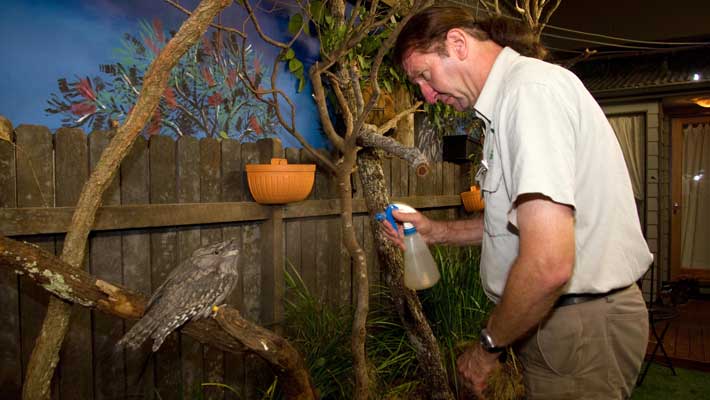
228	331
412	155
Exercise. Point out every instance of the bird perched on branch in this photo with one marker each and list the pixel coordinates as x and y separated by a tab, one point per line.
188	293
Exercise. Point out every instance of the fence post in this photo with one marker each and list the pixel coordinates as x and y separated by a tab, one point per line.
272	249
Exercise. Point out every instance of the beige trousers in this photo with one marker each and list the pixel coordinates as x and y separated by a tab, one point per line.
592	350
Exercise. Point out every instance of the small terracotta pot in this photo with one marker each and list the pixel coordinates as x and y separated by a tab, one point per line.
473	199
280	182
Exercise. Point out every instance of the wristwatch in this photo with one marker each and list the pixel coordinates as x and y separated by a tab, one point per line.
488	344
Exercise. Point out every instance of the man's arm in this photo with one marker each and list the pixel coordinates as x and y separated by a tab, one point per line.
461	232
543	267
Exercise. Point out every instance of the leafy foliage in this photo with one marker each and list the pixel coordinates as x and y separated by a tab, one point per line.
456	308
205	95
322	335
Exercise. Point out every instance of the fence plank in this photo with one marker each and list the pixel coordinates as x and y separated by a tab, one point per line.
10	354
272	250
308	269
395	183
35	188
272	261
164	258
232	190
105	263
72	171
322	258
293	230
211	191
251	260
449	185
135	244
403	179
188	239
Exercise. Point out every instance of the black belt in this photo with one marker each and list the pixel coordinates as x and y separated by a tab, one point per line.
573	298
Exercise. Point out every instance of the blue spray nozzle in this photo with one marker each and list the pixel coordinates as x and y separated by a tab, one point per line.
387	215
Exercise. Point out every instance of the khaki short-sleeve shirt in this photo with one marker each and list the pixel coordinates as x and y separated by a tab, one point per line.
546	134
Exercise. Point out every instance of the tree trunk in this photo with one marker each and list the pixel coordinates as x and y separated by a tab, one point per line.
230	332
45	355
406	301
360	281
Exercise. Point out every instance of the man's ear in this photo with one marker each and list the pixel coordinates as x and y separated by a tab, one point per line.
456	43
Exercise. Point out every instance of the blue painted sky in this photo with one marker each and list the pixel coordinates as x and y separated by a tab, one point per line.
44	40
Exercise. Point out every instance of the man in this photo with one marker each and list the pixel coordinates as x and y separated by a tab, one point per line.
561	241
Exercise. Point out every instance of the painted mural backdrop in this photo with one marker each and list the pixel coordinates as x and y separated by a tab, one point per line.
81	63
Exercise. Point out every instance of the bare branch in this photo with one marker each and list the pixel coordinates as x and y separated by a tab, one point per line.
319	97
394	120
268	39
216	26
343	103
357	90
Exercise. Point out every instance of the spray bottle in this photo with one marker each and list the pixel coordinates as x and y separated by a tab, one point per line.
420	271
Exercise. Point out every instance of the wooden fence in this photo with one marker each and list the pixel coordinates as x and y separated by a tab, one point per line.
170	198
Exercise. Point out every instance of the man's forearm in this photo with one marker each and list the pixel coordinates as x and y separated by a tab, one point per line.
526	300
461	232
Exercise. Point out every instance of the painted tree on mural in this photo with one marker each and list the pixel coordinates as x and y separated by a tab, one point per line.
204	97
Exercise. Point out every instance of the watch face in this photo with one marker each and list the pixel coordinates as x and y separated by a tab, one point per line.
487	343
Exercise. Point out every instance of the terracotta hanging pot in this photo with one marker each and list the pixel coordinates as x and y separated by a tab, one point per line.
473	199
280	182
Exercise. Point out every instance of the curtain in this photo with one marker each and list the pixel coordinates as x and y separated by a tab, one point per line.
695	206
630	131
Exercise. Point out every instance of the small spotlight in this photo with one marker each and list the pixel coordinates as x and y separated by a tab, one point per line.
698	177
696	77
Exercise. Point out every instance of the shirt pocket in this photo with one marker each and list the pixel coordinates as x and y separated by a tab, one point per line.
490	178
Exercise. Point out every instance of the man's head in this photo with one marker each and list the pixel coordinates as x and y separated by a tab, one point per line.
426	31
443	51
448	53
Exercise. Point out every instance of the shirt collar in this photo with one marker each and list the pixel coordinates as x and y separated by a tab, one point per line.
491	88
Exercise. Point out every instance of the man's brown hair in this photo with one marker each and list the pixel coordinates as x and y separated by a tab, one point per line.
426	32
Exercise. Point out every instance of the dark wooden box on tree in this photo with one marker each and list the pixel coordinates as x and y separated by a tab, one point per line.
457	148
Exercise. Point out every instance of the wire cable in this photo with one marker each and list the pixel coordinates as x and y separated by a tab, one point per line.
624	46
650	42
625	39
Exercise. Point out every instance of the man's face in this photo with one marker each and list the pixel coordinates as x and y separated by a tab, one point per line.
438	78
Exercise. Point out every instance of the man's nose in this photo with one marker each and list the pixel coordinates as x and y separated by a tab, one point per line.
428	93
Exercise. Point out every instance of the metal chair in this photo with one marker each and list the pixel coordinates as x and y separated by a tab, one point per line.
656	315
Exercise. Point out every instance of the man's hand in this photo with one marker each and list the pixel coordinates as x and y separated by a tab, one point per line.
475	366
423	225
